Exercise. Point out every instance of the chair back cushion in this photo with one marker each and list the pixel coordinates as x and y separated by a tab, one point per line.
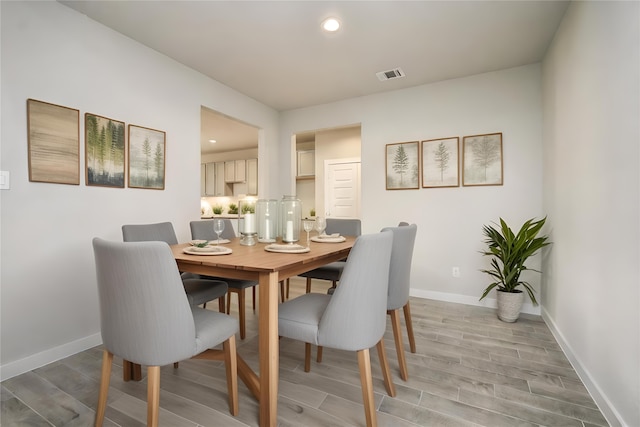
144	313
203	230
404	238
160	232
355	317
346	227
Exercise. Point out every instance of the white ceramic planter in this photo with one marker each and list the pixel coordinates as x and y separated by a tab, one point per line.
509	305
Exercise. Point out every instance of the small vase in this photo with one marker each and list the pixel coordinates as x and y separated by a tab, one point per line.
509	305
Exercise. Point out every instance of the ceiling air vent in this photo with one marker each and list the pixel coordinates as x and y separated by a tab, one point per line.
391	74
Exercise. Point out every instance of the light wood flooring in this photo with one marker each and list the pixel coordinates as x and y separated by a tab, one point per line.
470	370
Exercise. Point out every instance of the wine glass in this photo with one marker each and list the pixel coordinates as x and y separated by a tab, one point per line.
218	227
308	225
321	224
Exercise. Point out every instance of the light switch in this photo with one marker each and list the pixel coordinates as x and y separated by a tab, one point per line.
5	180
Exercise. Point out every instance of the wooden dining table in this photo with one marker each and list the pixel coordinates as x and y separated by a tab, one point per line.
268	268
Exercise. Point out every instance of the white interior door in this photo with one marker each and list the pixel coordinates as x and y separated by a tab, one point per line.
342	188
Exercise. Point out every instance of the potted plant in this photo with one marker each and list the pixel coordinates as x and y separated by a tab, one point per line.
233	209
509	253
217	210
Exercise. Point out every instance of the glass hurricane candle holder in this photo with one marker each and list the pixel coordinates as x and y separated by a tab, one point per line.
290	218
267	215
247	221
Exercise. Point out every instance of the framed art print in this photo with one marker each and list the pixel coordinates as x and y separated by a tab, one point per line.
440	161
104	151
53	143
402	166
482	159
146	158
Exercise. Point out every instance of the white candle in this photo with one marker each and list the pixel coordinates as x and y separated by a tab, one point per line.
249	223
289	234
267	229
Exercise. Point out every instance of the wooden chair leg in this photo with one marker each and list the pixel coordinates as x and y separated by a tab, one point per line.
175	365
221	304
397	336
231	364
228	302
282	290
364	362
319	355
287	288
307	357
105	377
253	295
241	314
386	372
409	323
153	395
308	284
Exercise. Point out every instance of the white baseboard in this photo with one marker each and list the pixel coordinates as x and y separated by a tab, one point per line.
604	404
38	360
527	307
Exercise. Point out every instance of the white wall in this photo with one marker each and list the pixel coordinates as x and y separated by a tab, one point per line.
49	306
449	219
591	133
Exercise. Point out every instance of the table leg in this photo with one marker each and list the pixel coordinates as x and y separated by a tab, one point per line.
131	371
268	348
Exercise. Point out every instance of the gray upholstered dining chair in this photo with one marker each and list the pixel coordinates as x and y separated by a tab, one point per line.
354	318
333	271
199	291
145	318
404	238
203	230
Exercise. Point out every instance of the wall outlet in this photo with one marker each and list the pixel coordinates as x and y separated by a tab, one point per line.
5	180
455	271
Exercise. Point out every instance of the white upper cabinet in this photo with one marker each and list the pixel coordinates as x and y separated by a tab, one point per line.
235	171
252	177
306	163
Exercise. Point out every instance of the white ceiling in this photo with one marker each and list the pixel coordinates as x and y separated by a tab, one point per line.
276	53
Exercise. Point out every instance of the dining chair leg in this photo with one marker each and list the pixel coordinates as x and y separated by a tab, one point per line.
231	364
253	296
386	372
221	304
228	301
307	357
153	395
175	365
308	284
319	355
241	313
409	323
105	377
287	297
364	362
282	291
397	337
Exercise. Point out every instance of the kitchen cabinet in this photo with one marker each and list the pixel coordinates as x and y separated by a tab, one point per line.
306	163
235	171
212	179
252	177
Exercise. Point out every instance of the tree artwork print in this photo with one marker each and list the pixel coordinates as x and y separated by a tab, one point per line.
146	158
104	151
482	159
402	167
440	163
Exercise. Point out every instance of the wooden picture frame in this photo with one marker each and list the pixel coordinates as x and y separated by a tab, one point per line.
482	159
440	162
402	167
53	143
105	145
146	158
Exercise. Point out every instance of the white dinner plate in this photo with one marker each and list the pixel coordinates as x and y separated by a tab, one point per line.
328	239
211	242
287	248
207	250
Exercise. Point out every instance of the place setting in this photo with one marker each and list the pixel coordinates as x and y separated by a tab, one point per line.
210	247
320	226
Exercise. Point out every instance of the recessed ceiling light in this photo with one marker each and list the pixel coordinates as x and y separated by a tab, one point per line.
213	141
331	25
